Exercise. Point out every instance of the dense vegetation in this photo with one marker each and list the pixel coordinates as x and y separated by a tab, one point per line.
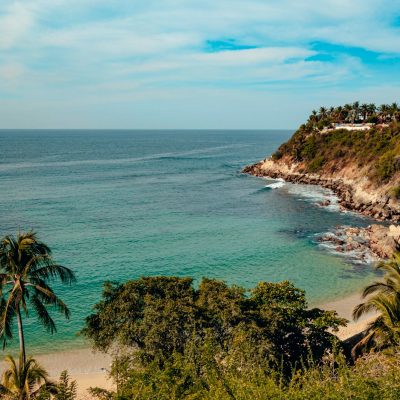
318	148
166	317
172	340
374	377
183	336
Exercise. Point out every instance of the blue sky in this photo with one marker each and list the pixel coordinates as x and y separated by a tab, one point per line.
192	64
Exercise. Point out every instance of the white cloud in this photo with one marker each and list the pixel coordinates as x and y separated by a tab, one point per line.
132	49
15	22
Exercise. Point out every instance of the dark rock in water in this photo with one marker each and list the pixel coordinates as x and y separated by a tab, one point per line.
324	203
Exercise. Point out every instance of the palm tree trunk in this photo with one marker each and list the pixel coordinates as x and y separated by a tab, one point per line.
21	337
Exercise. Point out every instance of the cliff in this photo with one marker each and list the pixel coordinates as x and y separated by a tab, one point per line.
362	167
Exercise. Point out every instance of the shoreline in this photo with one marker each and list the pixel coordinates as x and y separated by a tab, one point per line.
344	307
350	193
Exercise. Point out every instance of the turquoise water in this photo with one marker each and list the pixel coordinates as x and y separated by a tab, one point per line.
115	205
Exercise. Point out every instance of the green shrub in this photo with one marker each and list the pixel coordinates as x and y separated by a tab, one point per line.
395	192
316	164
277	155
373	119
309	150
386	167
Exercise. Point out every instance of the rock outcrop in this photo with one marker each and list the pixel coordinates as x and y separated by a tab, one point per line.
374	242
354	190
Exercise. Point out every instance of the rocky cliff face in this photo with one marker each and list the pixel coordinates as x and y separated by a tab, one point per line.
350	183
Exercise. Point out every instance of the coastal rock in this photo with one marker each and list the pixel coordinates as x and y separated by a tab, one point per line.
353	190
374	242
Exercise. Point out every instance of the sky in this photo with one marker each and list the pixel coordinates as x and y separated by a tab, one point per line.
181	64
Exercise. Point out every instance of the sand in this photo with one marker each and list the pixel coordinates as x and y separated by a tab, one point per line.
344	308
89	369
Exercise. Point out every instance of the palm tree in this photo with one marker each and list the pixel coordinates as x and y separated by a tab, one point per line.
356	110
383	298
383	110
322	112
348	111
364	111
26	267
394	109
371	108
25	381
339	112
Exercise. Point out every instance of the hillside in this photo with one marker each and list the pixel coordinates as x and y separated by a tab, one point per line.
360	161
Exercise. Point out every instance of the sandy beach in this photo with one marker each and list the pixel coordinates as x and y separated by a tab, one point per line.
88	368
344	308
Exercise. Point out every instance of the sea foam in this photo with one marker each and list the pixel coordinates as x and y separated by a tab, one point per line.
278	183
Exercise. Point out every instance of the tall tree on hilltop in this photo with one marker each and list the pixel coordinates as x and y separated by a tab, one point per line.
322	112
356	110
371	108
364	111
26	267
394	110
383	110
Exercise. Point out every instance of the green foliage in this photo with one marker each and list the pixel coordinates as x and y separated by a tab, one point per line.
373	119
316	164
66	389
182	335
25	380
309	150
26	268
387	165
395	192
102	394
277	155
382	297
378	147
374	377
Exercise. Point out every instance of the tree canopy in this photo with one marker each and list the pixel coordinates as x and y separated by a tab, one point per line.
162	317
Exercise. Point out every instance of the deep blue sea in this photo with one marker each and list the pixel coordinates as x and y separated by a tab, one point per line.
116	205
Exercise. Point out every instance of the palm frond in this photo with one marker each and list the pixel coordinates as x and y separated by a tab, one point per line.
383	298
25	380
363	308
43	314
54	271
7	313
377	287
48	297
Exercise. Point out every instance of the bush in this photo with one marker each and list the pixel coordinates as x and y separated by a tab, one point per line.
316	164
386	167
277	155
395	192
309	149
373	119
372	378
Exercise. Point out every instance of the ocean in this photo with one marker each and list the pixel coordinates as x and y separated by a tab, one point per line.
117	205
